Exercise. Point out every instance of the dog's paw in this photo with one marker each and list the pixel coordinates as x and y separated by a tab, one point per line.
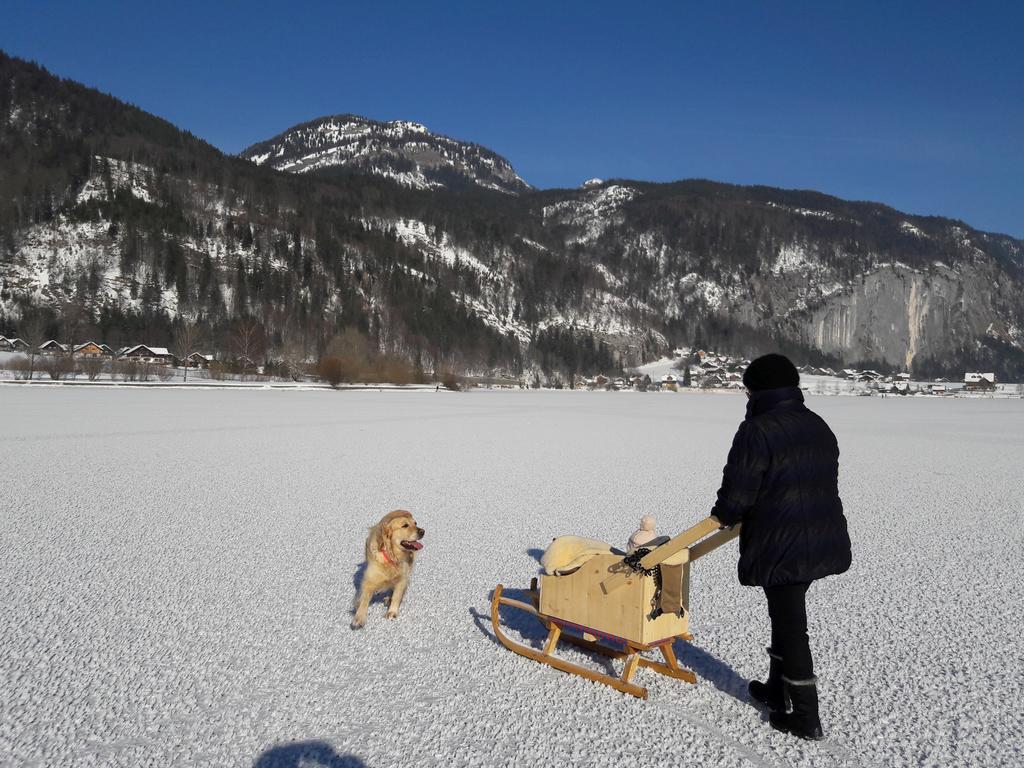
357	624
392	614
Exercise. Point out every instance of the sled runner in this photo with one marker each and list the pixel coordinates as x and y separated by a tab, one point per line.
618	607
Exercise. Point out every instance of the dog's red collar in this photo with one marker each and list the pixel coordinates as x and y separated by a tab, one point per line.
387	559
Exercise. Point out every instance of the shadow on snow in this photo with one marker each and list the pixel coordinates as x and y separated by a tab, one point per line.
306	754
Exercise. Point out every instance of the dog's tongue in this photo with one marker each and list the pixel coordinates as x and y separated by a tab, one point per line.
412	545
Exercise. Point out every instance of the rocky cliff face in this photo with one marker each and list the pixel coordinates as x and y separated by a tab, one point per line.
900	316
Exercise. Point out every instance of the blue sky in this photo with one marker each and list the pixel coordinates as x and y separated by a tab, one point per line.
918	105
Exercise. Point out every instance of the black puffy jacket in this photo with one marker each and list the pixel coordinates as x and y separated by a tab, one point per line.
782	482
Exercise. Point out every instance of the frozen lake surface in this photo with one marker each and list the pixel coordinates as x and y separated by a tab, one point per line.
177	569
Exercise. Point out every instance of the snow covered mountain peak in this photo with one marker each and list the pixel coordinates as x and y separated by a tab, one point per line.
402	150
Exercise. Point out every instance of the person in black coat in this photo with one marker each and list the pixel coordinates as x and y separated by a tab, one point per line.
781	481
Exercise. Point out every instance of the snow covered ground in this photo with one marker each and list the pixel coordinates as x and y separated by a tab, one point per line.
177	568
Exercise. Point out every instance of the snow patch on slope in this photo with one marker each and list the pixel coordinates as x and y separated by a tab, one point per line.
794	257
592	213
136	178
907	228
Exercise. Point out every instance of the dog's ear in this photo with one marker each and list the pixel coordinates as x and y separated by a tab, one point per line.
375	537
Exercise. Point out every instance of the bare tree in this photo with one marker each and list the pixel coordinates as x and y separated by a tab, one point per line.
187	338
58	367
294	355
93	365
72	316
33	333
247	341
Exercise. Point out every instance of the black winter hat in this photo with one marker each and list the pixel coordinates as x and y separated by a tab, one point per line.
771	372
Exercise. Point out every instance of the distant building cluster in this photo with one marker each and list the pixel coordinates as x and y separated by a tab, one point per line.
709	370
901	383
139	353
706	370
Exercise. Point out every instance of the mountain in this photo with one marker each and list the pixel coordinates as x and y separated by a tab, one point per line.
118	219
404	151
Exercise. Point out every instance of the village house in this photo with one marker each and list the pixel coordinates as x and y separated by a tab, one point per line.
979	382
52	347
198	360
141	353
92	349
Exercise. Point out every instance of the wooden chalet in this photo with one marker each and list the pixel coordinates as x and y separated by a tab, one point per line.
142	353
92	349
979	382
199	360
52	347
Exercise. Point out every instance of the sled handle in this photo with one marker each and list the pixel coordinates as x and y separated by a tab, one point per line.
711	543
683	541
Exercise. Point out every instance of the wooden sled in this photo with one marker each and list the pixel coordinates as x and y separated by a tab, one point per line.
608	608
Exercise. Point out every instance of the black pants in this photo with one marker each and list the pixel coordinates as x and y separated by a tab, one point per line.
788	611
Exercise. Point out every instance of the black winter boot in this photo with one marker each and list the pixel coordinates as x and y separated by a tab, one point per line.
770	693
803	720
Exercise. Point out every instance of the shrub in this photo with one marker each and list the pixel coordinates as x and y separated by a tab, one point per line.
57	367
123	369
394	370
332	370
20	367
450	381
92	367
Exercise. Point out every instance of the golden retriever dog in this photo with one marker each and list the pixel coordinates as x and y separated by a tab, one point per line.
391	549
